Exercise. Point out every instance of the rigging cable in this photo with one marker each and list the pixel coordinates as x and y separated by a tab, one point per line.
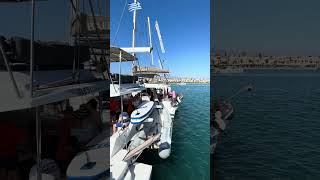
121	17
155	41
103	52
144	34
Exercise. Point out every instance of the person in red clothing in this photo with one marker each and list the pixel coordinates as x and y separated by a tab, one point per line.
10	138
114	105
130	105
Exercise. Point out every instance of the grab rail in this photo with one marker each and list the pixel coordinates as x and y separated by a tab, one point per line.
9	70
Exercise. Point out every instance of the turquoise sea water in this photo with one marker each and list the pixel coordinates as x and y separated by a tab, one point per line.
275	133
190	153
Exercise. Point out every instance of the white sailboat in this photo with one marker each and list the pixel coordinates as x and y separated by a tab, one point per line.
121	168
153	119
168	100
166	106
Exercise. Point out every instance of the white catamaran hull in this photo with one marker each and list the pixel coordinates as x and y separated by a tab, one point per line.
171	109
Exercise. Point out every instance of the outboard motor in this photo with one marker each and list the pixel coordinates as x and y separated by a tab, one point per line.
164	150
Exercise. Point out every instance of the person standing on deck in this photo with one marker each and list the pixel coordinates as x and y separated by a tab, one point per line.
136	100
174	96
114	109
114	105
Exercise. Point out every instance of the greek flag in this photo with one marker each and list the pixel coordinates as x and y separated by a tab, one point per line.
134	6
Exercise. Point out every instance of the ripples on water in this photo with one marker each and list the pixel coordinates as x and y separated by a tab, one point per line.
275	133
190	144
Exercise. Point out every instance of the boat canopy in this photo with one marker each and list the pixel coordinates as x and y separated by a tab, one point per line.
124	89
115	55
149	71
49	87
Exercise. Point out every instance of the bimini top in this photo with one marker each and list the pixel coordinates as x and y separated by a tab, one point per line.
141	71
48	87
125	56
124	89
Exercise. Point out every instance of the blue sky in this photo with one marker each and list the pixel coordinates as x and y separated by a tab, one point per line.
185	29
276	27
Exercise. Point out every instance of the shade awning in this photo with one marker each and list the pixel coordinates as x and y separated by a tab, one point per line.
124	89
115	55
138	49
149	70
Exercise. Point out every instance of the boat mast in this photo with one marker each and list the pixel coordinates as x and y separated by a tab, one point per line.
134	31
150	40
73	19
161	43
38	121
32	47
121	99
38	139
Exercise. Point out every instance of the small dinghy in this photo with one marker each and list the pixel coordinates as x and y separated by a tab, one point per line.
93	164
166	134
179	98
222	117
142	112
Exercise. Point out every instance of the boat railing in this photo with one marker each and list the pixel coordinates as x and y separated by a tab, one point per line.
32	66
5	59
